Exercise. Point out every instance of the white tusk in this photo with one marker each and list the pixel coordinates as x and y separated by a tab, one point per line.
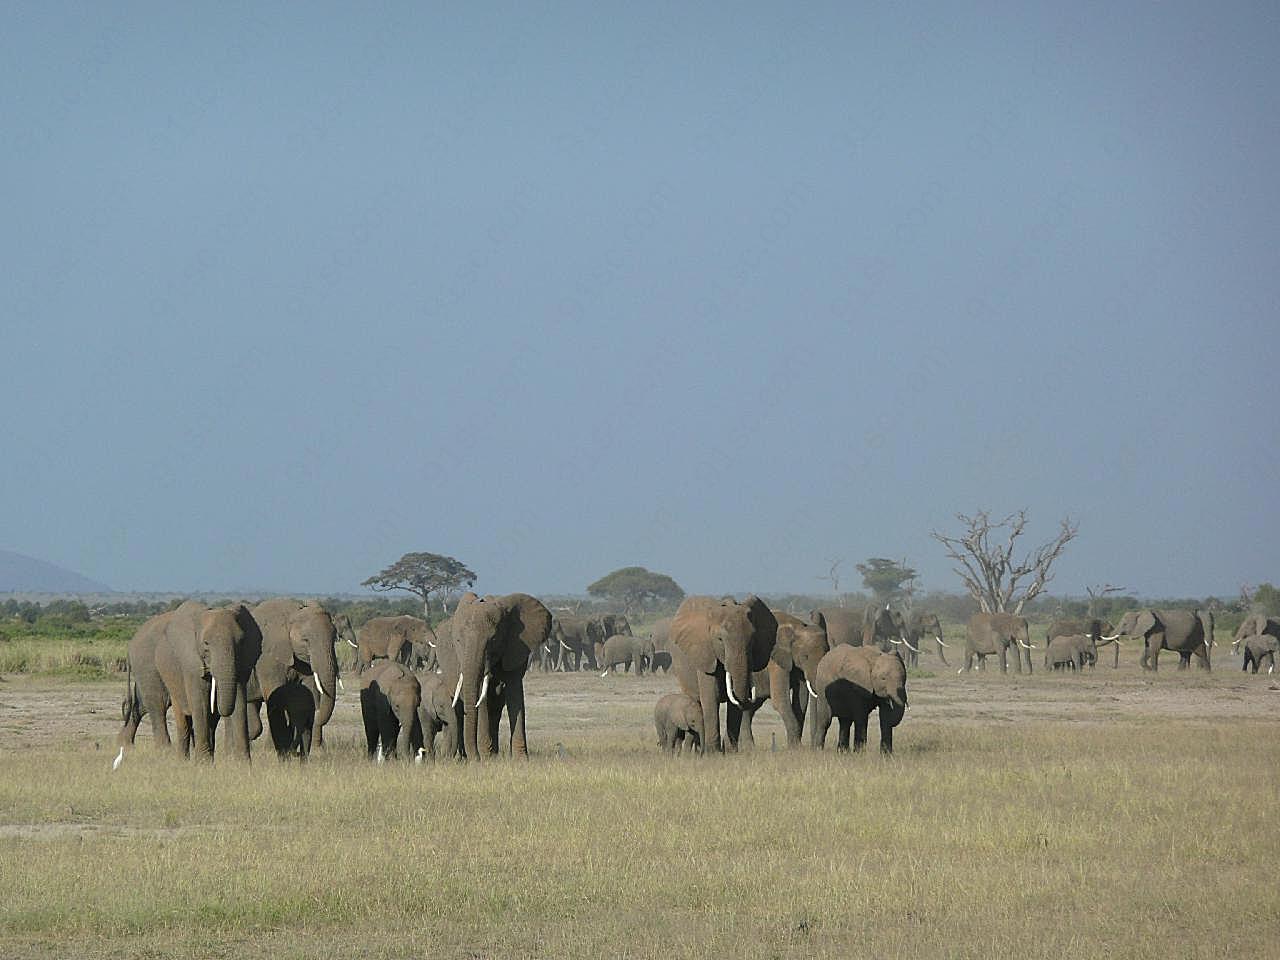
115	764
1115	636
484	689
896	642
729	684
605	674
213	694
941	641
431	645
810	686
353	646
565	645
342	686
320	686
457	691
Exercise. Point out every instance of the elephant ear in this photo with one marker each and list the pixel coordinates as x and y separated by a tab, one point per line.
764	631
692	631
251	643
817	619
526	624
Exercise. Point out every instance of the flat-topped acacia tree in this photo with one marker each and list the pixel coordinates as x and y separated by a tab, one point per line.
634	588
423	574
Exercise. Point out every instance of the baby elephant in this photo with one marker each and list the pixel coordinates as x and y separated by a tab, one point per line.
850	682
390	696
1258	648
1071	651
677	716
291	715
624	650
441	712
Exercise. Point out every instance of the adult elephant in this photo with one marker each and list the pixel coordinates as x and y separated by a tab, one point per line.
495	637
1256	624
1258	648
851	682
883	627
1070	650
995	633
145	692
624	650
297	646
841	624
660	634
404	639
576	637
1185	631
919	626
205	658
797	650
1099	632
720	643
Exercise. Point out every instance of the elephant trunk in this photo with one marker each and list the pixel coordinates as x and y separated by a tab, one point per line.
406	748
324	670
223	683
941	656
737	676
475	683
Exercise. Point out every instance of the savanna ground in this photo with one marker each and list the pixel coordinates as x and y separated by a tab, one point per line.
1115	814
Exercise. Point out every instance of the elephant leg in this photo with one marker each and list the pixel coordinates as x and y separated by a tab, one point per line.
201	720
709	698
515	718
1004	661
748	738
1184	659
254	719
281	729
368	713
159	727
492	719
842	741
783	700
675	744
181	733
733	726
860	731
886	732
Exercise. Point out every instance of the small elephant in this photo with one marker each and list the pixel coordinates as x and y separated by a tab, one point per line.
1258	648
295	705
1252	625
850	682
624	650
405	639
390	696
441	712
1072	651
677	716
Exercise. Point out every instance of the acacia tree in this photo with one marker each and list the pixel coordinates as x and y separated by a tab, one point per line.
423	574
636	587
986	565
887	580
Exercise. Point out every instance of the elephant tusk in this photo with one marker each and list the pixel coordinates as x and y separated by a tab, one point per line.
605	674
431	645
810	686
213	694
910	645
115	764
484	690
941	641
729	684
895	642
565	645
320	686
342	686
353	646
1114	636
457	691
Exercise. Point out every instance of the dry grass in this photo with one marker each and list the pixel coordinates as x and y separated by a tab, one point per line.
1035	817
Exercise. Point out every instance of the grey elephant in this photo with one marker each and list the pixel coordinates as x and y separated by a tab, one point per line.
205	658
676	716
613	624
660	634
297	647
785	680
1255	624
624	650
995	633
717	646
405	639
576	638
919	626
1186	632
494	637
841	625
1072	651
883	627
1258	648
1099	632
294	705
441	713
390	696
850	683
145	693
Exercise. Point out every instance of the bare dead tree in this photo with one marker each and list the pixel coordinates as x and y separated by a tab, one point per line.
1096	593
986	564
833	577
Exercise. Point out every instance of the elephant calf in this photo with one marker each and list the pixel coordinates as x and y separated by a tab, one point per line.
624	650
390	696
850	682
441	712
291	716
677	716
1258	648
1072	651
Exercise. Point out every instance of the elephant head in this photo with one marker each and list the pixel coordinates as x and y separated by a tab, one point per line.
344	630
882	626
396	685
495	637
928	625
229	643
889	682
799	645
1255	624
312	633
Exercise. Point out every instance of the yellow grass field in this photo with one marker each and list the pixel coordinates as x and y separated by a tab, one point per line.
1113	814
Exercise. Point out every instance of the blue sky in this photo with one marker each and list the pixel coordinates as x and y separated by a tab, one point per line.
292	291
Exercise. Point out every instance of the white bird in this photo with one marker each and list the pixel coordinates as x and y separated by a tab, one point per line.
115	764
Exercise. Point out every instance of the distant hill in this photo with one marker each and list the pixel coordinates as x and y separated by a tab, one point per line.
21	574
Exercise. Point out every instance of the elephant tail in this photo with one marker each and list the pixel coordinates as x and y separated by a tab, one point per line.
126	705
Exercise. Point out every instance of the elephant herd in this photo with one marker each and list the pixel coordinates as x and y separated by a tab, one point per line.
454	682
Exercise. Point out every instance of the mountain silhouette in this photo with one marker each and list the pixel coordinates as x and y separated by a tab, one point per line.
23	574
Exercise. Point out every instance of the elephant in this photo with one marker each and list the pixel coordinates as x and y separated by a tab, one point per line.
1074	650
390	696
1185	631
625	650
784	682
295	706
1257	648
676	716
841	624
660	634
883	627
297	646
850	683
1098	631
440	712
991	633
919	626
206	656
613	625
1256	624
717	646
145	692
494	637
576	637
405	639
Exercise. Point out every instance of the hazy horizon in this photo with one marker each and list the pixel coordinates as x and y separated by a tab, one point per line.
294	291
